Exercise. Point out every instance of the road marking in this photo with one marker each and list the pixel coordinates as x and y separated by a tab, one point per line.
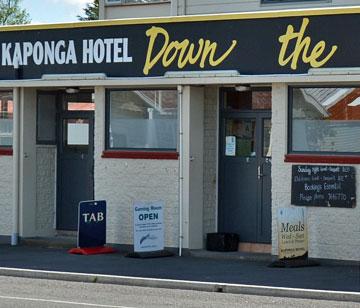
60	302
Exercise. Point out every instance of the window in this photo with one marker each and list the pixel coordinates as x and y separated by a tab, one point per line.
46	118
324	120
142	120
6	118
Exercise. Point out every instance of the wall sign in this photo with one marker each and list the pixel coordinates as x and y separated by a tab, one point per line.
148	226
92	224
250	44
292	233
319	185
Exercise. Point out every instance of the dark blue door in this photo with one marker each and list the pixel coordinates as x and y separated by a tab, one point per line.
245	165
75	158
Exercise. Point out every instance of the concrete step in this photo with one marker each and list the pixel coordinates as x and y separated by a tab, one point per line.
59	242
232	255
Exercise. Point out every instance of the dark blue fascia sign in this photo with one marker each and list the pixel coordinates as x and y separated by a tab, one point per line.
258	43
92	224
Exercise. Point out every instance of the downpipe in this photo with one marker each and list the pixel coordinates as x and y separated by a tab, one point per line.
181	168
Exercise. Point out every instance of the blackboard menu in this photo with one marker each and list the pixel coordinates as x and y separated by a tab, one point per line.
330	186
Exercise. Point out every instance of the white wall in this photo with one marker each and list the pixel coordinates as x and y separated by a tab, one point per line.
334	233
122	181
6	194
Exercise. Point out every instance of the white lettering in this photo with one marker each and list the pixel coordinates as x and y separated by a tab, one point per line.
118	50
86	216
6	57
28	50
88	47
125	53
50	52
60	55
99	51
71	54
38	53
17	58
100	216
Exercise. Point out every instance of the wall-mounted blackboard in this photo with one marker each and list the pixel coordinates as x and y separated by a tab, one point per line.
330	186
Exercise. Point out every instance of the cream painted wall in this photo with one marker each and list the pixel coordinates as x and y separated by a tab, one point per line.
194	7
334	233
137	10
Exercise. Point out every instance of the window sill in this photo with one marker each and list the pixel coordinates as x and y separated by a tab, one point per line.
6	151
140	154
329	159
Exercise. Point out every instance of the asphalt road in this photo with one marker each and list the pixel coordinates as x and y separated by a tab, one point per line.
25	292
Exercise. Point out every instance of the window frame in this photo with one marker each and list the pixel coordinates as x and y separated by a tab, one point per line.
136	153
315	156
7	150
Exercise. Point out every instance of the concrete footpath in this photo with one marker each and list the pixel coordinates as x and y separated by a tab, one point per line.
331	280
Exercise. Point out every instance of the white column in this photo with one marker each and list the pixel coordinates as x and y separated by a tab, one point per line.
16	167
99	131
193	144
27	163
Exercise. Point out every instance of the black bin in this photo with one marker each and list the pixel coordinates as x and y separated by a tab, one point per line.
222	241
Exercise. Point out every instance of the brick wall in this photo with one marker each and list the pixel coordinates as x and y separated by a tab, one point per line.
210	159
6	193
45	190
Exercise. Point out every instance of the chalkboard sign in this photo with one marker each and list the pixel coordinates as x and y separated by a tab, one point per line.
330	186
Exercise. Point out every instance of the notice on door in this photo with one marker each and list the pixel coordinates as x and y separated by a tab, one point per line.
230	149
292	233
148	226
319	185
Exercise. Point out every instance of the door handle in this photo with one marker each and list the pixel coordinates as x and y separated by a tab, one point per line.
259	173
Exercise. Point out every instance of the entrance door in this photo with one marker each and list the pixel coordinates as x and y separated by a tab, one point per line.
245	166
75	158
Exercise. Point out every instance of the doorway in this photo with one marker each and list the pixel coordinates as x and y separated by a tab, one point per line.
245	165
75	168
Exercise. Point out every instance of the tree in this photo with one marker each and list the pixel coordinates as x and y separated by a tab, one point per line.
12	14
91	11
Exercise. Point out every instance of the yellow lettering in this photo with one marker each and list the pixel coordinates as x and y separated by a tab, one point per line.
302	47
317	52
182	51
153	33
189	58
173	47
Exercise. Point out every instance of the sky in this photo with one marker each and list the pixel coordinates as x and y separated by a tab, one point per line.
50	11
